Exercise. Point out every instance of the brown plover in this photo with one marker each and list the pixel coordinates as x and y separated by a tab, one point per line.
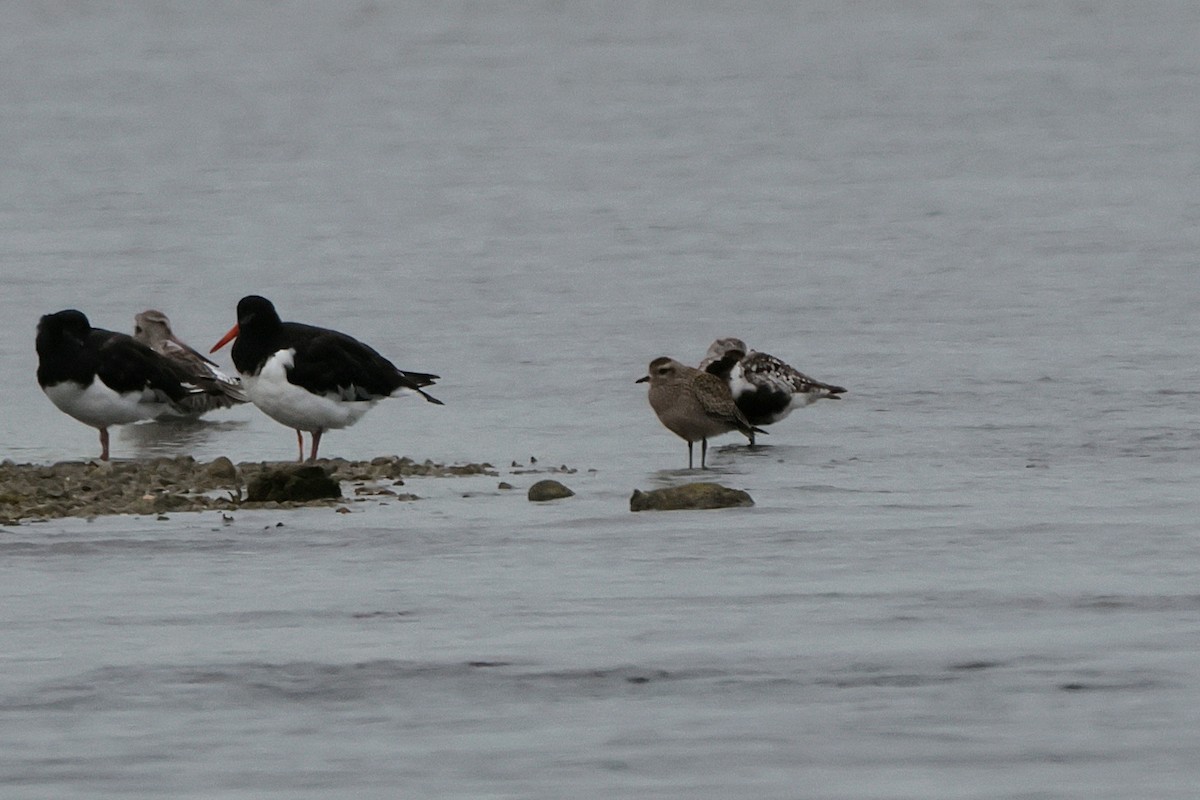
153	329
693	404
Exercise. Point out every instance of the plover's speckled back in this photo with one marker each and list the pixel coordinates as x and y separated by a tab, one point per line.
765	388
153	329
693	404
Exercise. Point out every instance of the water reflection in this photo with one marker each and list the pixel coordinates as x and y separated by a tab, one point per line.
734	460
714	472
174	437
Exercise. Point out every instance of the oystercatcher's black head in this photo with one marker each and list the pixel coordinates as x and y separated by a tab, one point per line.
254	311
256	315
69	327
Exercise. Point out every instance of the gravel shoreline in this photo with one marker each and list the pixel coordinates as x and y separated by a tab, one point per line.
37	492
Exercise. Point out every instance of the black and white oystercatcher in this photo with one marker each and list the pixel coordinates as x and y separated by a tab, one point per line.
104	378
309	378
765	388
153	329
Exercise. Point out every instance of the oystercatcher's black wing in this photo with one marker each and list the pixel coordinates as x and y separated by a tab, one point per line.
126	365
329	362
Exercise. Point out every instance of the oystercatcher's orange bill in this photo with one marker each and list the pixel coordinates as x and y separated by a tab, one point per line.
226	339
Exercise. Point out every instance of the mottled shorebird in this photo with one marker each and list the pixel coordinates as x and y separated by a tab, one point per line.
693	404
104	378
765	388
309	378
153	329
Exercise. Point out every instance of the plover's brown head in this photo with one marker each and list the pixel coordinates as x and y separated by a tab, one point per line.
662	371
720	347
151	327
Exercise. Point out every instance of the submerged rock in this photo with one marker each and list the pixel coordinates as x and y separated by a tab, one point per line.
297	483
689	496
548	490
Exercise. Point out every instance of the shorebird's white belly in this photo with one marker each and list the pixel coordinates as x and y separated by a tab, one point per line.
294	406
765	400
99	406
737	381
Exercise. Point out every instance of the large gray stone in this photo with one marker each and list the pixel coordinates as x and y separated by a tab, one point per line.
689	496
548	490
298	483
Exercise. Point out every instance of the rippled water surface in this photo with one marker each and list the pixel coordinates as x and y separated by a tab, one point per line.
974	577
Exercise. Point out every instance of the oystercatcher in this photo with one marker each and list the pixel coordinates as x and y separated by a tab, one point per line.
693	404
153	329
765	388
104	378
309	378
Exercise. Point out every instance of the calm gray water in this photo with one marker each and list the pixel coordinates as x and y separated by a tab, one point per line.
975	577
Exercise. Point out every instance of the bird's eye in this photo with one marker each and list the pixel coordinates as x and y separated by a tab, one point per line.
137	329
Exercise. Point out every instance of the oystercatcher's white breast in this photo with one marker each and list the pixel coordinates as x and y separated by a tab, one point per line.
294	405
99	406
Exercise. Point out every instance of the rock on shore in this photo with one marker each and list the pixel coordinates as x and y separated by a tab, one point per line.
689	496
95	488
295	482
548	489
